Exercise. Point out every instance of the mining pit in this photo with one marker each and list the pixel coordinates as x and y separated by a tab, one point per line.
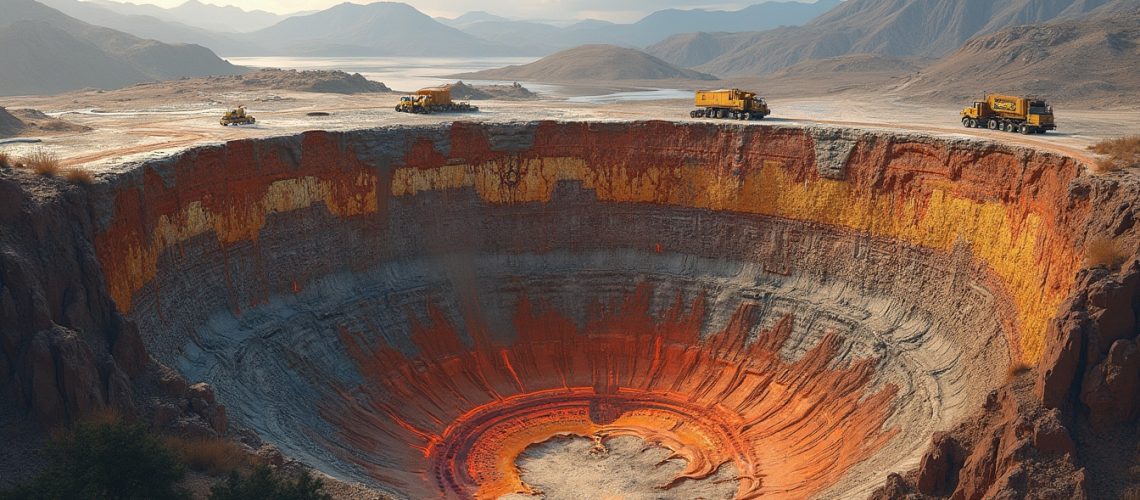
650	309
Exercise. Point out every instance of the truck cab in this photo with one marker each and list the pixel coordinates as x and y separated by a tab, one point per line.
1040	115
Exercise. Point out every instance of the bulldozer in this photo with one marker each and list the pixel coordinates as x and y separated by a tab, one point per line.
1025	115
237	117
433	100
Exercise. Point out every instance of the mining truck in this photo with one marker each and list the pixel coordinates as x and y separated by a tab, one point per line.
735	104
237	117
433	100
1027	115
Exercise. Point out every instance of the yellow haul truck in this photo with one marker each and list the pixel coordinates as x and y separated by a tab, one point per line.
432	100
735	104
1026	115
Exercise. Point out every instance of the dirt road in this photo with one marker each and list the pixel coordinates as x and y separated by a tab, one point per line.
147	121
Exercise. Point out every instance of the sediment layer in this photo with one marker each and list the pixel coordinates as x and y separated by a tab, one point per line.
412	308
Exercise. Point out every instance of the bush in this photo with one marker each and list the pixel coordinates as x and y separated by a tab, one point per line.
1121	153
103	459
262	484
79	176
210	456
1104	252
41	161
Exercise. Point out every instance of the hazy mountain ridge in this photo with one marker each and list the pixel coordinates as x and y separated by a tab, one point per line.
376	29
541	38
154	28
46	51
928	28
226	19
595	63
1093	57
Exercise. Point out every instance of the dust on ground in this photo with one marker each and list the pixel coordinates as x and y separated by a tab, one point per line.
160	118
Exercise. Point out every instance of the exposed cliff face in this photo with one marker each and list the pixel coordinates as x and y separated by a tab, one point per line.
64	349
413	308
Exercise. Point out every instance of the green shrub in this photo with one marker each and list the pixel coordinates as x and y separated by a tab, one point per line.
105	460
261	483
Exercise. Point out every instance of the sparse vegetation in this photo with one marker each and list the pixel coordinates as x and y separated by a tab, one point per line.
261	483
215	457
79	176
5	159
1104	252
41	161
1119	153
105	458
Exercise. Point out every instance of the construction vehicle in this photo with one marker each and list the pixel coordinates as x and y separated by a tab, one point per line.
1027	115
734	103
237	117
433	100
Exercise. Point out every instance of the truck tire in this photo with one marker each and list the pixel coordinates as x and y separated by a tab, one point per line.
993	124
965	122
1026	130
746	116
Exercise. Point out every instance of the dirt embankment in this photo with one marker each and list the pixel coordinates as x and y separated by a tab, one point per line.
17	122
513	92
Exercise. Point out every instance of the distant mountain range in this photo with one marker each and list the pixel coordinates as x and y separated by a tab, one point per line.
136	21
393	29
536	38
44	51
376	29
928	28
592	63
1093	57
227	19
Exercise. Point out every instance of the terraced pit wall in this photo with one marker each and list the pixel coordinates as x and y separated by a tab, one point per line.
413	308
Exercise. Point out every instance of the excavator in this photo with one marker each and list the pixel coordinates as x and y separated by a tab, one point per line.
237	117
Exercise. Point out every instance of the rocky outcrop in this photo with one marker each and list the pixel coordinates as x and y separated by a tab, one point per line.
61	338
1016	449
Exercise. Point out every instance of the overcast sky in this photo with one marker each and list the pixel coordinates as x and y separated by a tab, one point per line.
610	10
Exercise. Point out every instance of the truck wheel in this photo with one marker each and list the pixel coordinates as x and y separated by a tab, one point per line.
1008	127
1026	130
965	122
746	116
993	124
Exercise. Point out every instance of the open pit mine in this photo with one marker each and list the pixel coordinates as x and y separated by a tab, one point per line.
488	310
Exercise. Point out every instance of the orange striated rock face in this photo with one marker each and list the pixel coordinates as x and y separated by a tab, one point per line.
626	373
415	307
